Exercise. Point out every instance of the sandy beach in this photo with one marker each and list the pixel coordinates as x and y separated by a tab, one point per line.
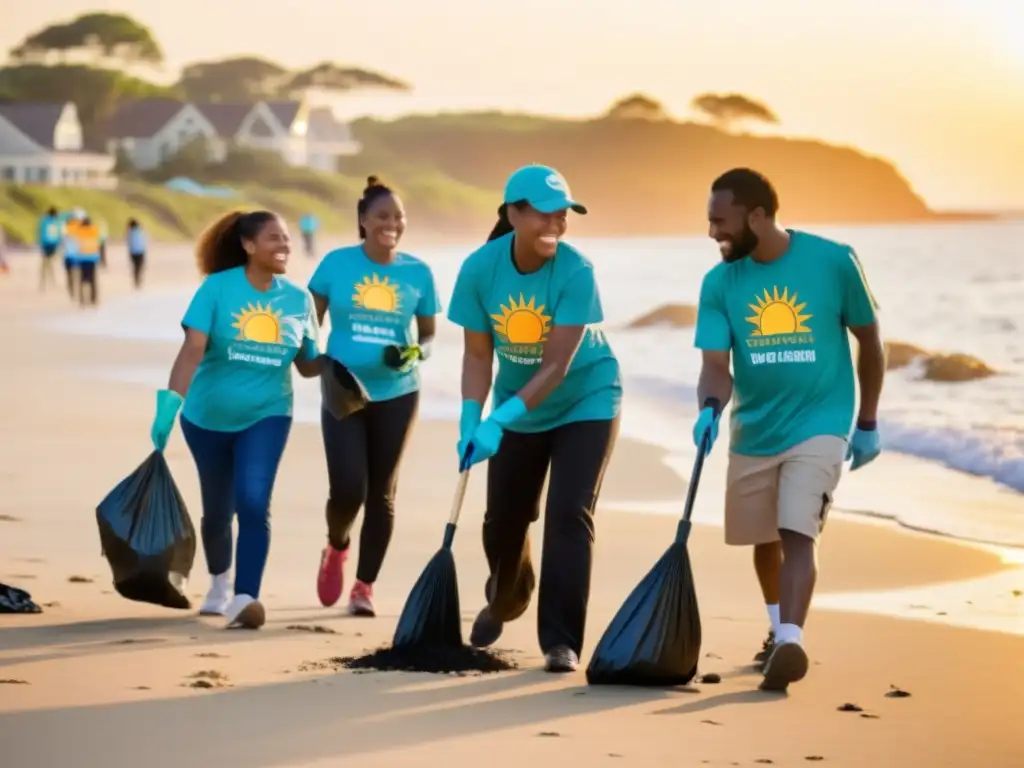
96	680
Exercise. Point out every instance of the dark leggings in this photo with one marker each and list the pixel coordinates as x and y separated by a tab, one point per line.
138	264
87	281
577	455
363	453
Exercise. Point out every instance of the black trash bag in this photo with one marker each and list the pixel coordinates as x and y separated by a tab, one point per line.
342	393
14	600
655	638
147	536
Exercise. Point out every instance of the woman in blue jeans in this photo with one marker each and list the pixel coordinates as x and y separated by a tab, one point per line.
245	327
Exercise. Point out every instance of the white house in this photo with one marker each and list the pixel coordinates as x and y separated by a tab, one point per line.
151	131
41	143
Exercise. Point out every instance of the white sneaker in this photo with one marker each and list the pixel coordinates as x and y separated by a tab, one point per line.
787	664
217	599
245	612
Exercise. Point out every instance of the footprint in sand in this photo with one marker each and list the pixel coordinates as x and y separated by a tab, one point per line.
897	693
210	655
12	681
210	678
318	629
79	580
134	640
9	519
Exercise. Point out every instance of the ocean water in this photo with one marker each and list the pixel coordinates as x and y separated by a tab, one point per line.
945	287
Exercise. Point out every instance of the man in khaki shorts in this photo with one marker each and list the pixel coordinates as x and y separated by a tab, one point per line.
778	308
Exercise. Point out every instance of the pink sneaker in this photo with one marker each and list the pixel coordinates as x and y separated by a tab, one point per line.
330	579
360	602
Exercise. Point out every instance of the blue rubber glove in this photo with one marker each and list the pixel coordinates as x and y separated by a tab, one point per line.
487	437
707	422
168	403
865	445
472	412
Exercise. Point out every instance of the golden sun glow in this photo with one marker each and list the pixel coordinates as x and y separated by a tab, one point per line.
522	322
258	323
776	314
374	293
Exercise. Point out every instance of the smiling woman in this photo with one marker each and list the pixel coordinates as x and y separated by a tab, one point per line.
244	328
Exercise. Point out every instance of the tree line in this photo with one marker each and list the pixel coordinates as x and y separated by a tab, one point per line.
97	60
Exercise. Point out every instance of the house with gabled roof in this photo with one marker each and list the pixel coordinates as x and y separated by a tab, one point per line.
41	143
151	131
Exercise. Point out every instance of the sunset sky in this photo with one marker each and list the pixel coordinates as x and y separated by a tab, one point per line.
935	85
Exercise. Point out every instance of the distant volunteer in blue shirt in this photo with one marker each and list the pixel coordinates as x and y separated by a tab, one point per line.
244	329
51	232
137	241
308	224
382	304
779	305
532	300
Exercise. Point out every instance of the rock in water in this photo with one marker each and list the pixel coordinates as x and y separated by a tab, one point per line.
955	368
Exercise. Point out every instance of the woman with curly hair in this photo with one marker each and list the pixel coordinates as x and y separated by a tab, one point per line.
245	327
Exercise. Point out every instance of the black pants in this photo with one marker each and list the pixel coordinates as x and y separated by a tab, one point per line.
363	452
138	264
577	454
87	281
71	272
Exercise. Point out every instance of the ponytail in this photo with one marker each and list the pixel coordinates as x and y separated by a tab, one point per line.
503	225
374	189
220	246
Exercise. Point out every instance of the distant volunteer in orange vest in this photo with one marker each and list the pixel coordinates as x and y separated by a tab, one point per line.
88	236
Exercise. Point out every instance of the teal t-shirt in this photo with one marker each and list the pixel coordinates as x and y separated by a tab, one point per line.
50	231
786	325
519	310
254	336
371	307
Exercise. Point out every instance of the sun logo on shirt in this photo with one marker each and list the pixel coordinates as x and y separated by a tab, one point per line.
258	323
776	314
522	322
374	293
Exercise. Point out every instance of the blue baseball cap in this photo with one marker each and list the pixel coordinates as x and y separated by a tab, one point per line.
543	188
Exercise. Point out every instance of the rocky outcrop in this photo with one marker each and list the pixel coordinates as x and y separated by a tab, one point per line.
668	315
899	354
936	366
955	367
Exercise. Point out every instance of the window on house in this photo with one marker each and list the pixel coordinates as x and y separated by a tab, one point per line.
7	173
259	128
